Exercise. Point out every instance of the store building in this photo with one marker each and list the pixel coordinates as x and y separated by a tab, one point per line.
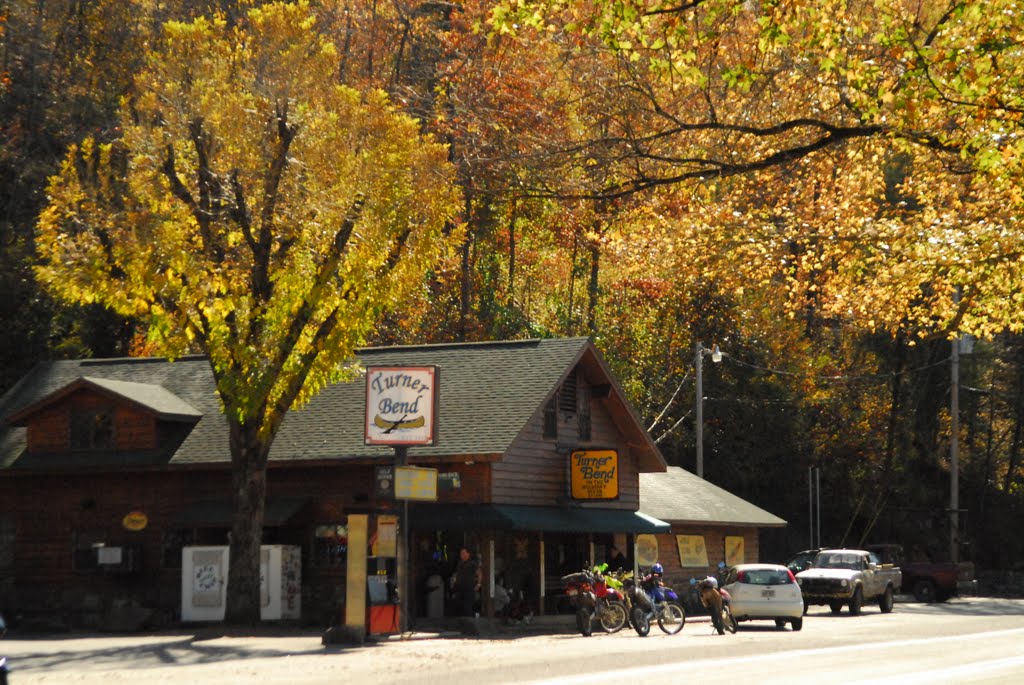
711	527
113	472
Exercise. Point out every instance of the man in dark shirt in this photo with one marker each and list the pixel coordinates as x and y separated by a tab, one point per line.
616	559
466	582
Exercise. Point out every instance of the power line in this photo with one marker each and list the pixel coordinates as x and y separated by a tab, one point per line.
842	377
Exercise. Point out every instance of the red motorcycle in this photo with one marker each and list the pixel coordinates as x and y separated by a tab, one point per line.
592	597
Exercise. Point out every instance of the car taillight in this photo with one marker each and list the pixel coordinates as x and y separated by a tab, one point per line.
741	577
792	578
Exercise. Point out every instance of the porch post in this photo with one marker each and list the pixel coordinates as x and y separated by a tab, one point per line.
543	580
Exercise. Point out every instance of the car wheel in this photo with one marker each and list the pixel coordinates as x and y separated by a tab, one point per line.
779	623
924	591
885	602
835	607
856	602
797	623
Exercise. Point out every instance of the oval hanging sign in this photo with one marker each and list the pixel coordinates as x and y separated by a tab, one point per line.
135	520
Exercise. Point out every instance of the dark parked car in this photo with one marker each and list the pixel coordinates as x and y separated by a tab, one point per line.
801	561
928	580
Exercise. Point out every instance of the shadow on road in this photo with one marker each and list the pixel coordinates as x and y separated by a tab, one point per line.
99	652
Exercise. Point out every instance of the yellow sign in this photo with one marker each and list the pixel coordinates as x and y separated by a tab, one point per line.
594	474
135	520
646	549
417	483
692	551
734	550
386	540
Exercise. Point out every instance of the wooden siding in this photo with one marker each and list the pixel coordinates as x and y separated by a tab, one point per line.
535	469
48	511
49	430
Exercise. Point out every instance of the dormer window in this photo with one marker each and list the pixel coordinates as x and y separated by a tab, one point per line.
92	428
570	405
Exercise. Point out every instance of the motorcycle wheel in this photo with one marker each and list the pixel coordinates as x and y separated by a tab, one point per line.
584	622
729	620
641	624
671	617
716	620
613	617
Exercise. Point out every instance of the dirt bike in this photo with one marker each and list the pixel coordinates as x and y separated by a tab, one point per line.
593	598
651	600
717	603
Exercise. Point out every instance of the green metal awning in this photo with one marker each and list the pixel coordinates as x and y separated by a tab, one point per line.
521	517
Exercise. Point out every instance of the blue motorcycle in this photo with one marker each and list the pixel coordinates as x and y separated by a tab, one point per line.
651	600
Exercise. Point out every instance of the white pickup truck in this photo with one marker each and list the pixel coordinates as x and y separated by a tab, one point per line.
850	577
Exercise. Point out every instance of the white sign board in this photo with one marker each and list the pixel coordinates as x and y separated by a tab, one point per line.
400	405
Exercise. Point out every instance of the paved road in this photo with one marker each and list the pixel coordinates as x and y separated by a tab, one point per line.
973	640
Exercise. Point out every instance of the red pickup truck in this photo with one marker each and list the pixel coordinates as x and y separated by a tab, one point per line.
929	581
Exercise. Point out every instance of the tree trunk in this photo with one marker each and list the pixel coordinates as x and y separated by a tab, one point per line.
248	493
592	289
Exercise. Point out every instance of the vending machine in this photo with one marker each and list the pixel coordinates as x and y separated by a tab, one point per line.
204	581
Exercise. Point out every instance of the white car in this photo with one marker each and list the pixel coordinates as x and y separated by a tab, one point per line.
765	591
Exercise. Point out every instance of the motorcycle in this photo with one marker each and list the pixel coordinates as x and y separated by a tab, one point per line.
651	600
594	598
717	602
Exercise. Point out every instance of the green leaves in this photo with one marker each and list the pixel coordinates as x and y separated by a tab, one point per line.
243	158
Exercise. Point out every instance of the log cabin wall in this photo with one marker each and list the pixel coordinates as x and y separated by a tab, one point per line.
49	431
534	470
59	513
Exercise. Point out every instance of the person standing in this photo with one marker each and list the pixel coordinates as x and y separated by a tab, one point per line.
616	559
466	582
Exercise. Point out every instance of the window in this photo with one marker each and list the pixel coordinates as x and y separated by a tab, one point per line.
551	418
174	542
567	395
330	545
583	412
92	429
84	556
565	405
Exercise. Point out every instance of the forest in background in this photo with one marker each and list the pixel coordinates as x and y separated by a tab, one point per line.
828	191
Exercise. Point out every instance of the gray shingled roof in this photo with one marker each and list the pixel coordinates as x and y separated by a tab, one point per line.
488	394
156	398
678	496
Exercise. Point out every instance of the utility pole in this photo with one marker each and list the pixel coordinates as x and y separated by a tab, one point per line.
716	357
699	421
954	451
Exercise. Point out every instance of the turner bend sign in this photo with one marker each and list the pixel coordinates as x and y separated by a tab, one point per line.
401	404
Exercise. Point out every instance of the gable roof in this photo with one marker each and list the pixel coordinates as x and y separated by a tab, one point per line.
678	496
489	392
153	398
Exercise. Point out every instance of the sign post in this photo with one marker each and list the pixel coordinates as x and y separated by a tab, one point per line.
401	410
